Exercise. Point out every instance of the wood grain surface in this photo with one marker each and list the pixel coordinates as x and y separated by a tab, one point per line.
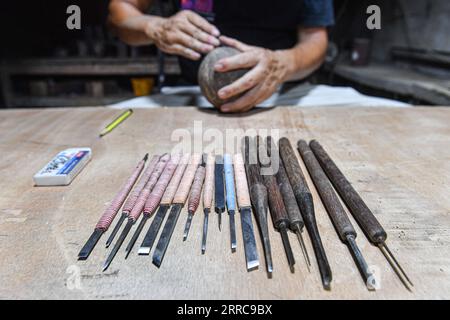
397	159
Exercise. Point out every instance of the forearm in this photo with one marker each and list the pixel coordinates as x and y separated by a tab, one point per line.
130	24
306	56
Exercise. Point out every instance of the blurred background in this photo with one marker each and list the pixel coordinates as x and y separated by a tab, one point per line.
43	64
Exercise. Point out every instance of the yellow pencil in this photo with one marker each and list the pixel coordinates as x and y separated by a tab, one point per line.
116	122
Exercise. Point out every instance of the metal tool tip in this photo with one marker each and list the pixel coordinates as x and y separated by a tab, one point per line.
203	250
157	261
252	265
105	266
326	284
82	257
146	157
144	251
184	236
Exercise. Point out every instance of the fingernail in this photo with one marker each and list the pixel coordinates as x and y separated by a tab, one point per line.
216	32
214	41
207	48
224	109
218	66
222	93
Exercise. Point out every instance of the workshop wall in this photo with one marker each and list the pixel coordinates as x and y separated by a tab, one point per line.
420	24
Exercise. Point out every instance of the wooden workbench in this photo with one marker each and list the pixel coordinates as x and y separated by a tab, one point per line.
398	159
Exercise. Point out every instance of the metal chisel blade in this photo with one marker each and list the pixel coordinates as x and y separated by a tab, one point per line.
205	230
251	253
116	229
166	234
90	244
152	232
232	231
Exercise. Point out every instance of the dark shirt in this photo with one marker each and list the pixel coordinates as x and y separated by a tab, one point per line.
269	24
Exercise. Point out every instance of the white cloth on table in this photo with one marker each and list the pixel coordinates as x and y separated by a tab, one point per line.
304	95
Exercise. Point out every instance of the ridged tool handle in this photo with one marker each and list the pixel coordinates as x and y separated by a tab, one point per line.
155	197
110	213
186	182
276	203
365	218
175	181
219	190
258	191
229	182
134	195
196	189
243	196
292	209
143	196
208	188
329	197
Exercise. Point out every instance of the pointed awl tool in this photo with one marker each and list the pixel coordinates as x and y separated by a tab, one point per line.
154	198
194	197
164	206
276	204
230	197
359	209
111	211
296	223
131	200
258	197
219	190
137	209
208	191
245	209
306	205
337	214
178	203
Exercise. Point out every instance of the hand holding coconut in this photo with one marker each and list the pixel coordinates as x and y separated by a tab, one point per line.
236	80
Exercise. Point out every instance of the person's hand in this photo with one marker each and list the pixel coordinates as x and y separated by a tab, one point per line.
267	72
186	34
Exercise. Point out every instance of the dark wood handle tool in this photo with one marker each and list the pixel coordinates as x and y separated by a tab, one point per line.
219	189
296	223
278	212
358	208
258	197
305	202
338	216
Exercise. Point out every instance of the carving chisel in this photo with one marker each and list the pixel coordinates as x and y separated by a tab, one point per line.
277	209
110	213
164	206
208	190
178	203
138	207
131	201
219	190
305	202
245	209
358	208
258	197
231	197
194	198
338	216
154	198
296	223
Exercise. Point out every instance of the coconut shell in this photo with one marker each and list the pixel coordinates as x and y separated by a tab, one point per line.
211	81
